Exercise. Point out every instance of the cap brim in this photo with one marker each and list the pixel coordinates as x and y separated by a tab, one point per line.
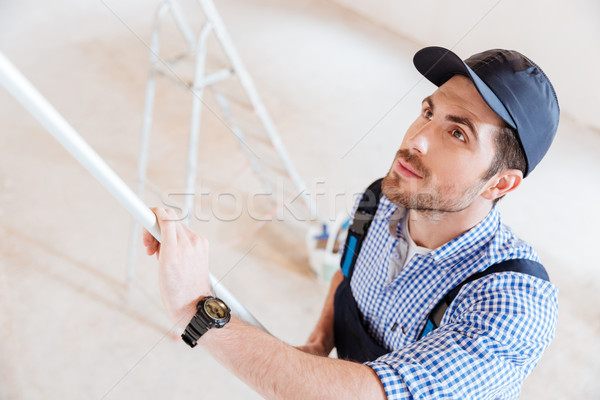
438	65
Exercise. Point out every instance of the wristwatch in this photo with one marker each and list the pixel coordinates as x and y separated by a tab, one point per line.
211	312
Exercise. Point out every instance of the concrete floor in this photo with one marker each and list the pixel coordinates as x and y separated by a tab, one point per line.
341	92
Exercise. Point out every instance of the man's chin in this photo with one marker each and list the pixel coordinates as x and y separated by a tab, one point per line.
393	188
425	203
390	186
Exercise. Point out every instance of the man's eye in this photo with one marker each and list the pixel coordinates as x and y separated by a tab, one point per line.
459	135
428	114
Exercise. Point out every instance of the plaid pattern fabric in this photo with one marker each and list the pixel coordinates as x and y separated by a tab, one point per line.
492	335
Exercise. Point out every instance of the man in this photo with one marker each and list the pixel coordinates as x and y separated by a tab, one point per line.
483	130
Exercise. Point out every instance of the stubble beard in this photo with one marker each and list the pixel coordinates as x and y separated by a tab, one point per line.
424	196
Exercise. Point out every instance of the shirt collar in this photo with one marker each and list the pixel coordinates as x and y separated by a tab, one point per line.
470	242
393	214
457	249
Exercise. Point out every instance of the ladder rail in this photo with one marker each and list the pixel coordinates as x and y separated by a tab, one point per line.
142	167
248	84
197	50
33	101
197	94
181	23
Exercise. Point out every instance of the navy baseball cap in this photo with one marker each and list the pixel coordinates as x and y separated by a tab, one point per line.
512	85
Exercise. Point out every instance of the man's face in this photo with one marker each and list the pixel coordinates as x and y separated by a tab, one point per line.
445	152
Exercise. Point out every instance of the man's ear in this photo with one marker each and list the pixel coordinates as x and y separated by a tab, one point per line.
502	183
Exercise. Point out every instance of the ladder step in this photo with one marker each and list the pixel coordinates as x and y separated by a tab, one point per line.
185	78
251	131
176	70
217	77
185	83
240	100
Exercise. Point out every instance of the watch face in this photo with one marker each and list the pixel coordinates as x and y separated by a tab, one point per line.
216	309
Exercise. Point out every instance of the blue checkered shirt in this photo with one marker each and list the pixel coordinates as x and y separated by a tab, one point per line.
490	338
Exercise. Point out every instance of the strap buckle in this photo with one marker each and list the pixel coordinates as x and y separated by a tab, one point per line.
361	222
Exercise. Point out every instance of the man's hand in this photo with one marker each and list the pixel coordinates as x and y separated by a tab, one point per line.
316	348
271	367
182	265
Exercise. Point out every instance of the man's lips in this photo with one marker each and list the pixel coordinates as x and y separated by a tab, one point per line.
406	170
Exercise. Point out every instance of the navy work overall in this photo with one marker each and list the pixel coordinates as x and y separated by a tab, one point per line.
352	340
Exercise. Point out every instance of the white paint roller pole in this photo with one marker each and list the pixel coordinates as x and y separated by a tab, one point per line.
17	85
21	89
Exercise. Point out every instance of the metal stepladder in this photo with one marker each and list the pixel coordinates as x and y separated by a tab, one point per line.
197	54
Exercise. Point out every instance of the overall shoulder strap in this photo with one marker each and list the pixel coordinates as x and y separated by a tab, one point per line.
522	266
367	207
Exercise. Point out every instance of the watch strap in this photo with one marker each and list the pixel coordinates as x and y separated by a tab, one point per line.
197	327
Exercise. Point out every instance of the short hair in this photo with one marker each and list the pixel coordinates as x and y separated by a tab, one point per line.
509	153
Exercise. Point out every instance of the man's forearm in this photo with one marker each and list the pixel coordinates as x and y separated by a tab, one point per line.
279	371
271	367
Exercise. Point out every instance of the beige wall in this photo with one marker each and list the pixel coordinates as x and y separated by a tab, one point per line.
563	37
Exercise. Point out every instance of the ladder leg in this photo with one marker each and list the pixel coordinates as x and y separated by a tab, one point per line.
248	85
197	93
241	138
181	23
145	142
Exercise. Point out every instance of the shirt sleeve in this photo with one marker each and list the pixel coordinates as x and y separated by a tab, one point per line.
491	337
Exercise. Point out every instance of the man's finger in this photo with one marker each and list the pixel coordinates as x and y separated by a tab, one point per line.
150	242
180	227
147	238
167	226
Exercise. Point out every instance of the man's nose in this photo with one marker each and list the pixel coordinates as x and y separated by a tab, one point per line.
419	140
